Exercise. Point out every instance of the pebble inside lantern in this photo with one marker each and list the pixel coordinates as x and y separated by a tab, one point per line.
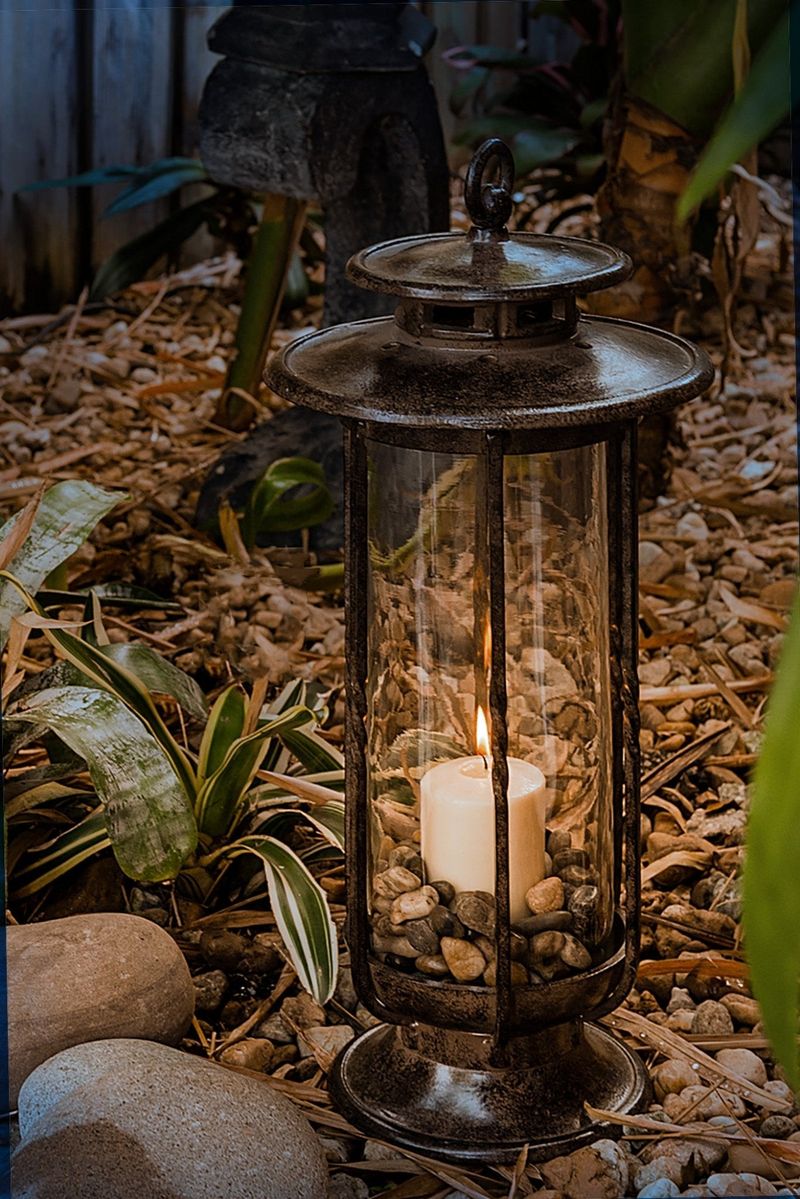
492	726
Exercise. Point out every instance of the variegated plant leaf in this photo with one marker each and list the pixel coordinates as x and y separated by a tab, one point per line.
147	812
65	517
301	913
221	796
80	842
225	725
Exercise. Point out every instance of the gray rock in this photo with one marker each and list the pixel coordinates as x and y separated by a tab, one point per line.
662	1188
711	1018
328	1039
87	978
734	1186
209	991
114	1119
344	1186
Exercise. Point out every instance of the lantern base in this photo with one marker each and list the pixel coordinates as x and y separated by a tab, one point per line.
435	1091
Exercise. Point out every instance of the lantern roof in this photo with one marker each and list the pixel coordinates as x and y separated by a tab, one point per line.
487	335
457	268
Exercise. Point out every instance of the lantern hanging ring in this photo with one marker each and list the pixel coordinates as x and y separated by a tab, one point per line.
490	203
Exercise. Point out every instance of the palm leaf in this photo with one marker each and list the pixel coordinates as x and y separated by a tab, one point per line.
760	106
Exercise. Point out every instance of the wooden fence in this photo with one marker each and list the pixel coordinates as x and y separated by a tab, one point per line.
88	83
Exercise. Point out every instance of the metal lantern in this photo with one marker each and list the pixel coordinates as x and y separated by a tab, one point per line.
492	727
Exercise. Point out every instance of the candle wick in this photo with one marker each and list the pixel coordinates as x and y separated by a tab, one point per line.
485	763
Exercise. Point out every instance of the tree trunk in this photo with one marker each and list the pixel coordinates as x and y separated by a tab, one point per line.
649	161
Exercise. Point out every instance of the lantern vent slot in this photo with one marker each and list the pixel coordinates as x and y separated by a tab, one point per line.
530	316
450	316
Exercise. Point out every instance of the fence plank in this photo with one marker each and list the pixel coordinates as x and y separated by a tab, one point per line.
132	110
38	113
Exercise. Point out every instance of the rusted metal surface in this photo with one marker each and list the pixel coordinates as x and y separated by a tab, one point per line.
500	383
437	1092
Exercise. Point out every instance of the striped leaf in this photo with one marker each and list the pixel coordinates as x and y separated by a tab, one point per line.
301	913
313	752
221	796
328	820
148	816
82	841
104	672
225	725
65	517
159	675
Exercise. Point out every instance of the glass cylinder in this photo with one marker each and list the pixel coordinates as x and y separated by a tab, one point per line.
431	881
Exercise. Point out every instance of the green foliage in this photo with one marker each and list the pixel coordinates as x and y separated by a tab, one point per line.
550	113
163	810
291	494
61	521
761	105
771	877
147	814
679	58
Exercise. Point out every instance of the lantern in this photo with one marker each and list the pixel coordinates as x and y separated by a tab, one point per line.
492	759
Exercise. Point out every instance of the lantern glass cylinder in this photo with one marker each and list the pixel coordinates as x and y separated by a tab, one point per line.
431	881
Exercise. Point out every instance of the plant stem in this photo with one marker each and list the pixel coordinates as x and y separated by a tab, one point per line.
267	268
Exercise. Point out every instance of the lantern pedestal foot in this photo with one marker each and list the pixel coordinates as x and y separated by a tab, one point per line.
437	1092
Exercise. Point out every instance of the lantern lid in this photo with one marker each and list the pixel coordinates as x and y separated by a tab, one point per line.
488	264
457	268
487	335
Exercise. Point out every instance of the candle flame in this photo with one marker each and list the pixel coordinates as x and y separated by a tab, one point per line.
481	733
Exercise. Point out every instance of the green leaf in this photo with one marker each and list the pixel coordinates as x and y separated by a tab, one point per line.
771	878
678	55
762	104
296	290
105	672
271	506
221	796
225	725
327	819
301	913
536	147
158	184
40	795
159	675
133	260
65	517
64	854
115	595
99	175
148	816
312	751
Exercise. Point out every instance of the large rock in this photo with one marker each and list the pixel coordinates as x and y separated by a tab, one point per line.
114	1119
86	978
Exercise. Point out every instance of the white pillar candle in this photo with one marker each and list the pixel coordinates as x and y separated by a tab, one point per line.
458	827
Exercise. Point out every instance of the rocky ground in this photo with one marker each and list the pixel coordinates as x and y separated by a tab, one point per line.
125	396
